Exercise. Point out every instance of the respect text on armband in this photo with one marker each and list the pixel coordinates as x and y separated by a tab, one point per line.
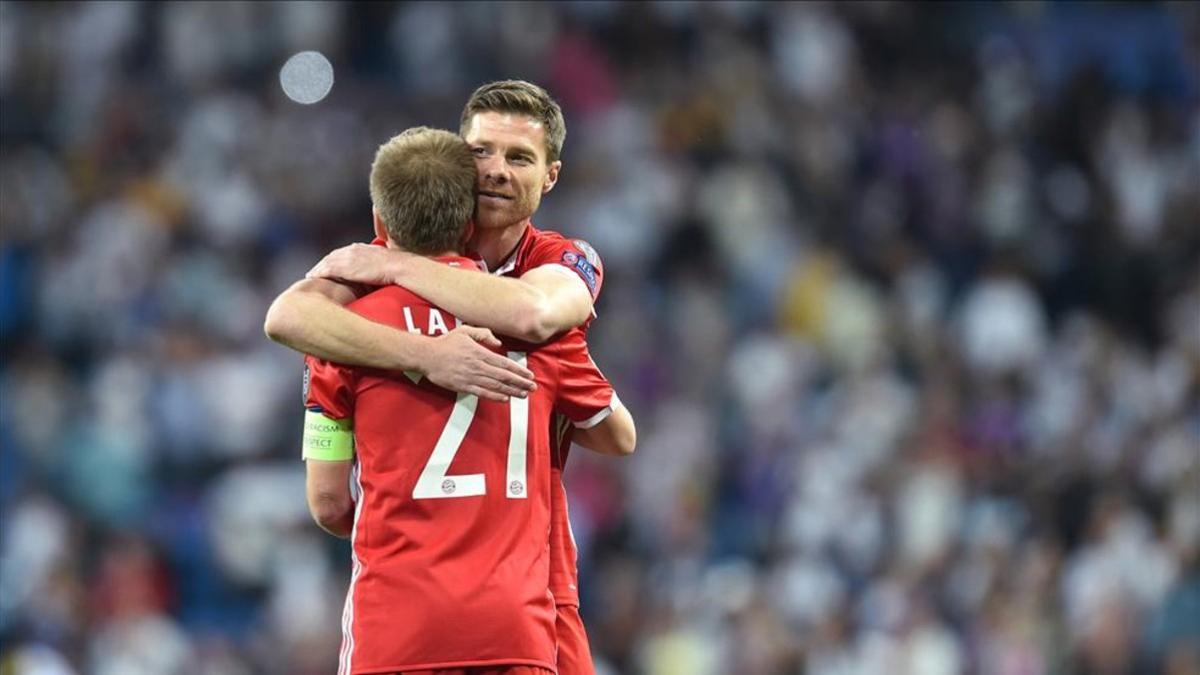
326	438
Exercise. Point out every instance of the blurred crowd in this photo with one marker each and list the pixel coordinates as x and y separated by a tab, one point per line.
905	299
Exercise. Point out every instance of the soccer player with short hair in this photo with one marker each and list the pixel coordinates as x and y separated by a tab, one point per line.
450	527
542	284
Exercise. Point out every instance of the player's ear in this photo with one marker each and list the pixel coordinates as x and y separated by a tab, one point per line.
380	228
551	176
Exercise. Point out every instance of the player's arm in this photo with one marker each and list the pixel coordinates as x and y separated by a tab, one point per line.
544	302
585	397
328	455
327	486
615	435
311	317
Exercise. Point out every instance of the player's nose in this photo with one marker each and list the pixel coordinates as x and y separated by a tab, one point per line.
493	171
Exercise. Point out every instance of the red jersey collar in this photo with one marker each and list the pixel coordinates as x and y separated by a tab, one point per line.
519	252
455	260
505	267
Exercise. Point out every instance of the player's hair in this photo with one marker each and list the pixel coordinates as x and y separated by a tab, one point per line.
423	186
521	97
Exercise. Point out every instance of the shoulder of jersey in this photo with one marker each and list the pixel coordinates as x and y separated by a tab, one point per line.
549	237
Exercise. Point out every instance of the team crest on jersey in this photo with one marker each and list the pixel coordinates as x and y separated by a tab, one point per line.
593	258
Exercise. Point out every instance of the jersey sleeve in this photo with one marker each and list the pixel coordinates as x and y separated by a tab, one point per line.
328	388
584	395
573	255
329	411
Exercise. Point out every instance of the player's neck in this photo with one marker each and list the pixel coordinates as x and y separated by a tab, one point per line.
496	245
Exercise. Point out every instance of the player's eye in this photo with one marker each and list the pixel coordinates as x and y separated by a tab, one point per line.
479	150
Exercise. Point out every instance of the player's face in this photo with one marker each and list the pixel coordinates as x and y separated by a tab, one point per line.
510	156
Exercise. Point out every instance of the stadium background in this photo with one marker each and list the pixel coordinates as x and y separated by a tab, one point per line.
904	298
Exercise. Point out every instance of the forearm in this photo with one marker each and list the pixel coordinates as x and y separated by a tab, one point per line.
615	436
507	306
308	320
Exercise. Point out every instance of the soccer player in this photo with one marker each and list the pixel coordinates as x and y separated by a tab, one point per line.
543	284
451	522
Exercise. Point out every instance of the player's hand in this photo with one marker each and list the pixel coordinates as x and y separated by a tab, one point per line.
459	361
359	263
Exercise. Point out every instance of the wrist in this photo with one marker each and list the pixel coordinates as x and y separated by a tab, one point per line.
425	354
411	352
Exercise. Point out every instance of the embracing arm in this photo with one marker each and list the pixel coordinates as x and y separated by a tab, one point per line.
615	435
541	304
311	317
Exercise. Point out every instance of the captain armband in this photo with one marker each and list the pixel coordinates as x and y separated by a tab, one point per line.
327	439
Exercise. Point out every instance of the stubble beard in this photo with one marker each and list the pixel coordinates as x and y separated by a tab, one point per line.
495	219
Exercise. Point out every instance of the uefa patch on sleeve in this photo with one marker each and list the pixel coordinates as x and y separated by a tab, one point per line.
584	268
588	251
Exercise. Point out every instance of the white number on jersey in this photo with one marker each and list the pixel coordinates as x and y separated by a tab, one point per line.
435	483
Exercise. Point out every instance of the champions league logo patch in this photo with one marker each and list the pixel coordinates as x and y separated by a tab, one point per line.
583	267
593	258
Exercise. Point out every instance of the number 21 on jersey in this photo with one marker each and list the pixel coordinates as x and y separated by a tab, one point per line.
434	481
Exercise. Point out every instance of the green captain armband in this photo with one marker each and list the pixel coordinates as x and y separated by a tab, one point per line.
326	439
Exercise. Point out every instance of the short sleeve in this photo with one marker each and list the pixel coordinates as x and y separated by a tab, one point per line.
575	255
584	395
328	388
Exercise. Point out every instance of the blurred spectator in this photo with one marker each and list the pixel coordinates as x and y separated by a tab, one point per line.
905	298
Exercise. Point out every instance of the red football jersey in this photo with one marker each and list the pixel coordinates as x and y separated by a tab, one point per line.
451	552
538	248
535	249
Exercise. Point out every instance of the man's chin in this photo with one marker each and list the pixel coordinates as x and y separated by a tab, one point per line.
495	221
